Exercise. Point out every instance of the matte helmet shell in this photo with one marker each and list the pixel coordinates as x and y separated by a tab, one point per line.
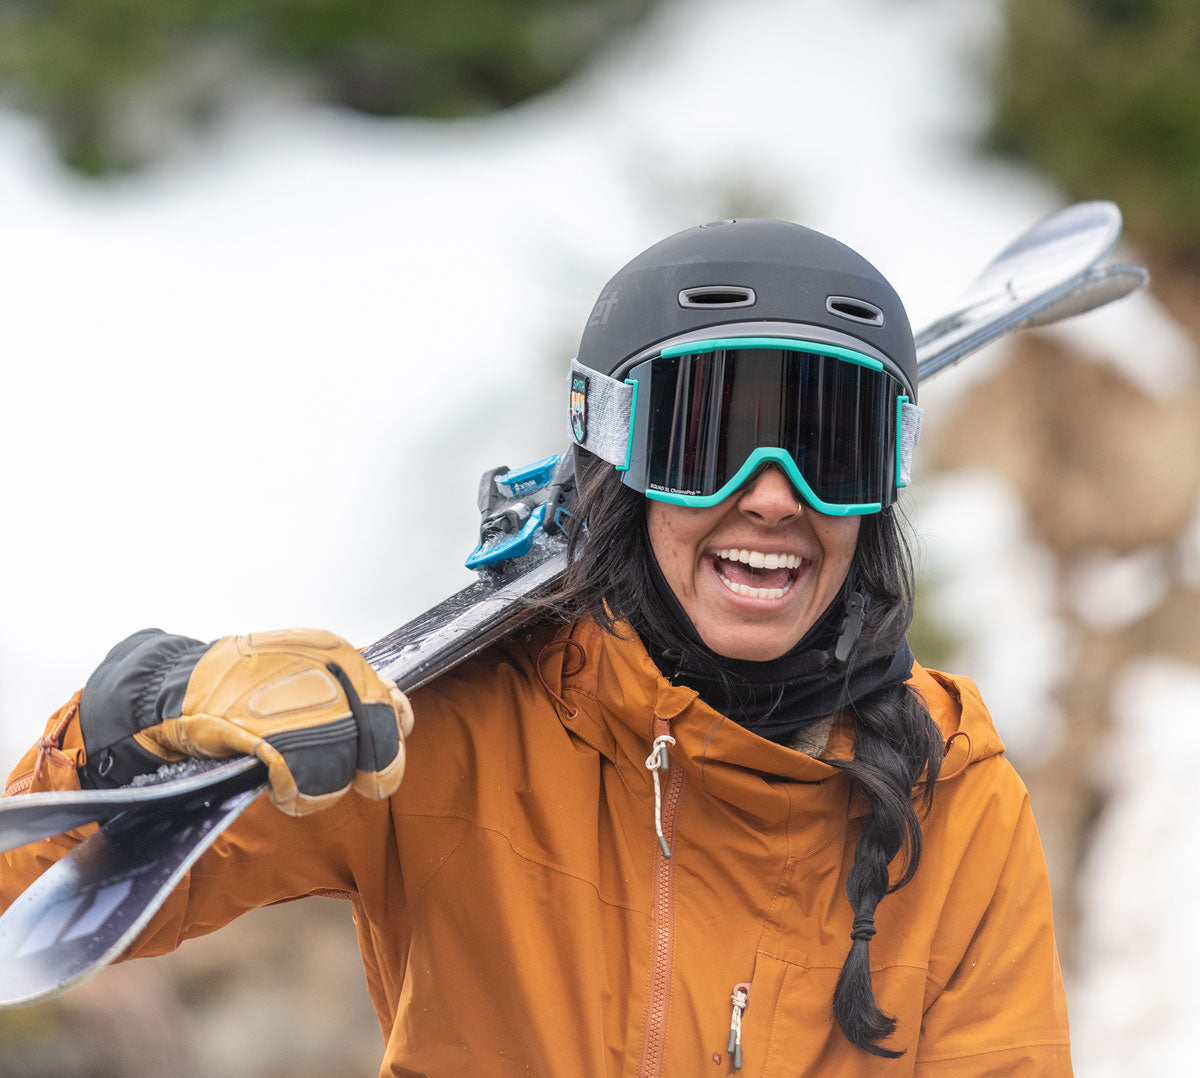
748	270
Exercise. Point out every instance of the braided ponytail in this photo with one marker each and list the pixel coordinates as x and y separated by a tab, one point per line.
897	744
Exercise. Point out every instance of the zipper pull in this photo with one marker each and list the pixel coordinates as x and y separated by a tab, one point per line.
740	1000
657	764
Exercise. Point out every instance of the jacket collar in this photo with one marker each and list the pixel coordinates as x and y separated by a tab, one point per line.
613	696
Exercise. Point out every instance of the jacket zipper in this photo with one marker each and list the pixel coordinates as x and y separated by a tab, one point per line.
664	912
52	742
19	785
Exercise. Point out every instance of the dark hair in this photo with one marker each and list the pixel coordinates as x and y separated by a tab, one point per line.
897	747
897	754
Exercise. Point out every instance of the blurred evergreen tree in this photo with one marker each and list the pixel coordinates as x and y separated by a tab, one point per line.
116	80
1105	96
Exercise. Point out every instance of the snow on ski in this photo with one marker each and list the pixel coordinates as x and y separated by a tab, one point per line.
88	907
33	816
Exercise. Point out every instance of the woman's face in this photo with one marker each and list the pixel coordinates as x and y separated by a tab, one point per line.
756	571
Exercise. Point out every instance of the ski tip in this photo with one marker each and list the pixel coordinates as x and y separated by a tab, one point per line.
1104	285
1094	216
1073	238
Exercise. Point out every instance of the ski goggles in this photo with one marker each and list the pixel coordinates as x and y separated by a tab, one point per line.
703	417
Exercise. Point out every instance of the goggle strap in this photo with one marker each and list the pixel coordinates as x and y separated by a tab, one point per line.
601	410
910	434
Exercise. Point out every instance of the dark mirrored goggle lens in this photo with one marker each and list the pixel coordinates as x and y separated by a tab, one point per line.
709	412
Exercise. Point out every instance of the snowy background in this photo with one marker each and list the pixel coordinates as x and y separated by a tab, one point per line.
255	386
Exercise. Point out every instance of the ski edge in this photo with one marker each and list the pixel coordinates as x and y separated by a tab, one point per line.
98	806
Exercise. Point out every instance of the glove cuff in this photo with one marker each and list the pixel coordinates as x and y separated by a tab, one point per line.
139	683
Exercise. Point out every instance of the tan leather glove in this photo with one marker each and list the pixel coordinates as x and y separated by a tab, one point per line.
302	700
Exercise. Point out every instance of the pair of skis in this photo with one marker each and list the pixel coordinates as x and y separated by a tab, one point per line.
89	906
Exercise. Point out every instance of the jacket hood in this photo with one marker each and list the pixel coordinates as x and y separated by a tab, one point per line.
958	709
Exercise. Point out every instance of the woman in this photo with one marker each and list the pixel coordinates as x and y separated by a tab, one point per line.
706	815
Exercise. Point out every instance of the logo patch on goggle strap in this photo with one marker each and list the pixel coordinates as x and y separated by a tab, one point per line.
579	392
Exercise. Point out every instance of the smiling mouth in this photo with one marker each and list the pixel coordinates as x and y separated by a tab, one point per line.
755	575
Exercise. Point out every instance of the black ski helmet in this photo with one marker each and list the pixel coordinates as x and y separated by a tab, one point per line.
725	274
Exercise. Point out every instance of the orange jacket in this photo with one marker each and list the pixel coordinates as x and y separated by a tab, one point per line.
516	915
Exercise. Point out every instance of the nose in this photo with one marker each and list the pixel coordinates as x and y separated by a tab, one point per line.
769	497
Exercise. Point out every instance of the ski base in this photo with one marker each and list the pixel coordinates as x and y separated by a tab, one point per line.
87	908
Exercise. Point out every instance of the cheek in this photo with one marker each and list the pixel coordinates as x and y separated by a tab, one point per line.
664	540
674	546
839	540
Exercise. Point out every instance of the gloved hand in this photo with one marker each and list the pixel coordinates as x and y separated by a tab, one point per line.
302	700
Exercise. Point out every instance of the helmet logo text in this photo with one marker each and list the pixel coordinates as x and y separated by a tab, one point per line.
603	308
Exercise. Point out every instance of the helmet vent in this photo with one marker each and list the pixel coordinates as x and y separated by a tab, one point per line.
856	310
719	296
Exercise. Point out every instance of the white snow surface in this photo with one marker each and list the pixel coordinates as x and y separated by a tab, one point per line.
1132	1012
1110	590
255	386
1004	615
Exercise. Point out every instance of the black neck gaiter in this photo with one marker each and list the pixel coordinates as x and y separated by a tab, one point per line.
827	671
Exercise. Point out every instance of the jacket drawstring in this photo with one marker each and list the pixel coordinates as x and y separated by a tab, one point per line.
966	759
580	655
657	763
740	1000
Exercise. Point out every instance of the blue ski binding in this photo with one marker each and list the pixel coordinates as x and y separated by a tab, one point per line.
516	504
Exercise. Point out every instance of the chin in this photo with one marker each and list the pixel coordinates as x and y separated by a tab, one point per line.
748	648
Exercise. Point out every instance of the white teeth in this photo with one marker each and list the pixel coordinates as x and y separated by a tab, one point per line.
758	560
755	593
